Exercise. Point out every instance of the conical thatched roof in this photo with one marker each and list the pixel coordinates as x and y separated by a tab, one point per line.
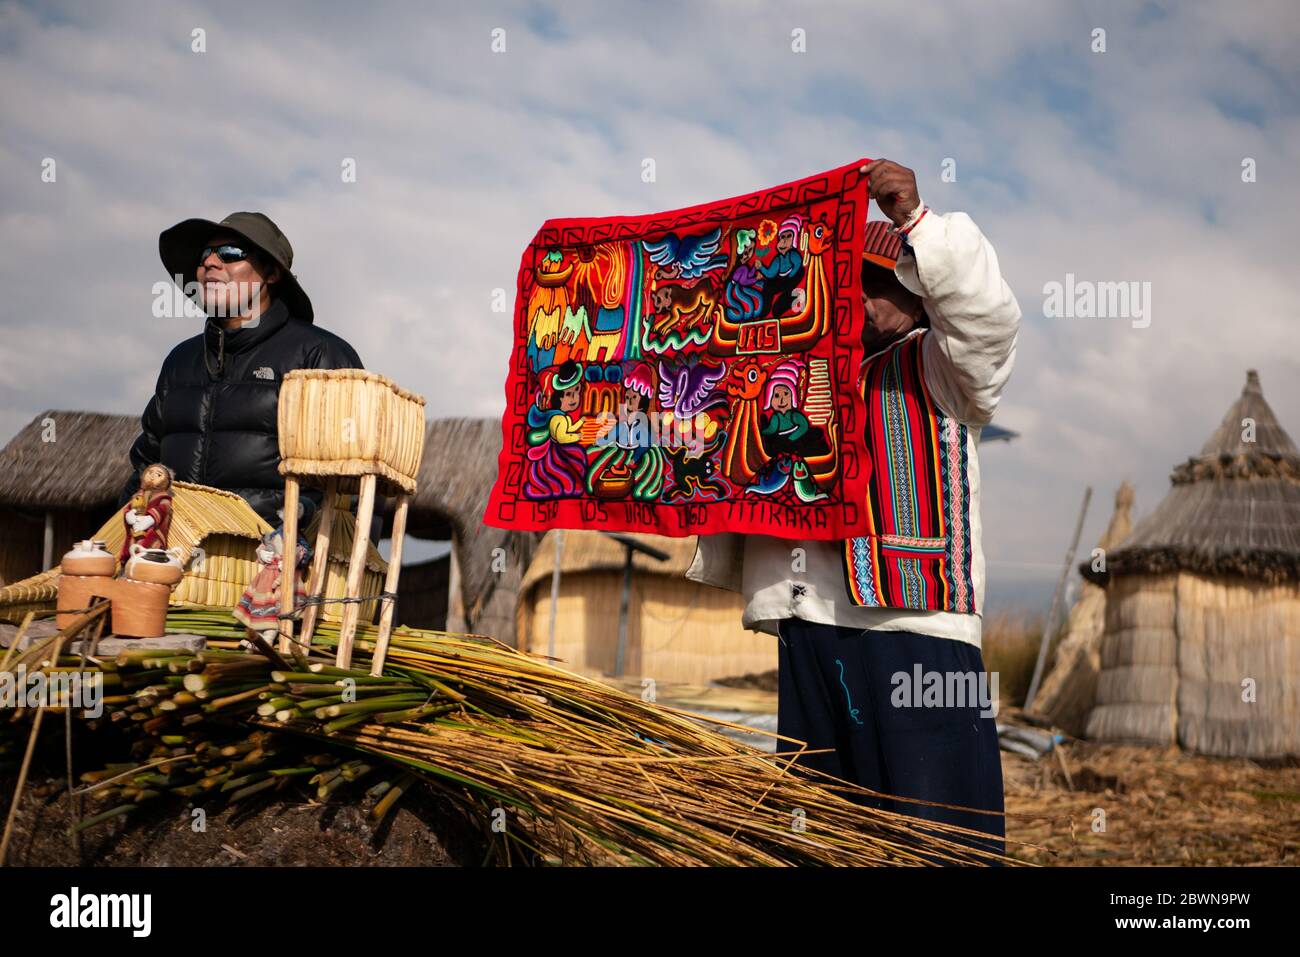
1234	509
67	459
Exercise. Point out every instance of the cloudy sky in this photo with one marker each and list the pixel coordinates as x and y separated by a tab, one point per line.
1122	165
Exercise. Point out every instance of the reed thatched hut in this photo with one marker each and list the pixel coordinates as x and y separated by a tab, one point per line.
486	564
59	479
678	630
1069	691
1201	646
422	593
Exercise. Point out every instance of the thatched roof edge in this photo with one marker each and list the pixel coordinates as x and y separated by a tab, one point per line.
591	551
1262	465
67	459
1263	565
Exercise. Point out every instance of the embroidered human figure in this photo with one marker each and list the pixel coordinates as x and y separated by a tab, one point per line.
546	308
743	298
785	271
555	464
784	425
787	437
630	461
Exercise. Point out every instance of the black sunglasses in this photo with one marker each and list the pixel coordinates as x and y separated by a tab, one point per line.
226	253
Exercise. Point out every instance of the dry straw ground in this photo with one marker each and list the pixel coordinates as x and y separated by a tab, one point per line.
1161	807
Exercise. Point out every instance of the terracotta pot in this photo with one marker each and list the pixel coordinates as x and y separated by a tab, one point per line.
612	483
88	558
140	609
75	594
155	565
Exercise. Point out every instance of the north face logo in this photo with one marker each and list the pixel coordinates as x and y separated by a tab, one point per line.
265	372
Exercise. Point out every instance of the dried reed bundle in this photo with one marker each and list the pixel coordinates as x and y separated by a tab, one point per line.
36	593
583	772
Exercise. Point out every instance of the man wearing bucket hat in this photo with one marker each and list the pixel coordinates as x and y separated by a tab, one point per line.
879	637
213	415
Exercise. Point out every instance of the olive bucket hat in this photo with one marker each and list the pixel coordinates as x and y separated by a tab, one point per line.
181	245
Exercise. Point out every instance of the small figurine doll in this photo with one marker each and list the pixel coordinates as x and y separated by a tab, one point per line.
259	608
148	516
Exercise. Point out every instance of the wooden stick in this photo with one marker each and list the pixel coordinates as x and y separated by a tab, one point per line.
356	568
390	584
260	644
320	563
74	799
59	639
34	653
288	561
22	780
18	637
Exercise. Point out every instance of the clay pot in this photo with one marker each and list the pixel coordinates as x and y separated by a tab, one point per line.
140	609
612	483
155	565
76	593
88	558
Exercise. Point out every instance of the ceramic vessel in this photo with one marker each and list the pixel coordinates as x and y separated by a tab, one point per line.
140	608
88	558
155	565
76	594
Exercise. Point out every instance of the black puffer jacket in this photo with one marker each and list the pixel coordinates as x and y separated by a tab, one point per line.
213	415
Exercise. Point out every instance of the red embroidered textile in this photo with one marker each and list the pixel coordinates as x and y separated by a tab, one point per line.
692	372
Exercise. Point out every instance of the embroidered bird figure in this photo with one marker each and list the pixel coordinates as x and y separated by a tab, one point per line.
686	386
687	257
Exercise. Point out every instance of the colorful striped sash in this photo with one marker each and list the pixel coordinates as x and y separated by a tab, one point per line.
917	554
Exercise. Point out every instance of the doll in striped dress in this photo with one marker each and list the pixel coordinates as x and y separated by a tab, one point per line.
259	607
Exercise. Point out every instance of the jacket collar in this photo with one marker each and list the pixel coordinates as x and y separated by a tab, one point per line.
241	340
